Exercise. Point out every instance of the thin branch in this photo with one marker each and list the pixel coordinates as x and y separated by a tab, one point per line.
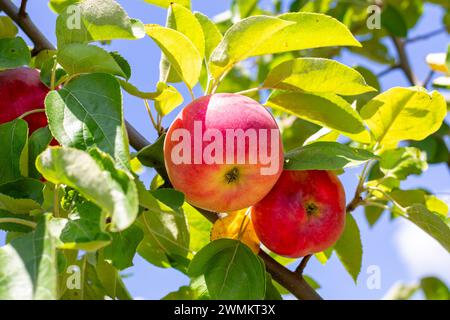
23	222
425	36
23	8
427	80
403	60
388	70
301	267
36	36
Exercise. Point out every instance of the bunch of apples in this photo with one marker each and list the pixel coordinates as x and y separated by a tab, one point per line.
224	152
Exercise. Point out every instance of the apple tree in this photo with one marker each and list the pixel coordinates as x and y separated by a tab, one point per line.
71	198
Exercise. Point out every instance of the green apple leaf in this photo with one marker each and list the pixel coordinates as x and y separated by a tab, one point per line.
323	109
123	247
316	75
199	228
401	162
111	280
179	50
7	28
96	178
38	142
392	20
166	234
14	53
349	248
78	58
401	291
82	230
373	213
21	196
28	267
211	32
59	5
434	289
15	135
167	3
325	156
241	40
88	113
231	270
404	114
96	20
167	100
272	292
431	223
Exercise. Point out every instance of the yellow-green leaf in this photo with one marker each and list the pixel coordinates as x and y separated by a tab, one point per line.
317	75
166	3
326	110
211	33
404	114
179	50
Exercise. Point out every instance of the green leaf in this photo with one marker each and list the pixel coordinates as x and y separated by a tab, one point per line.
21	196
96	20
401	162
316	75
7	28
179	50
122	62
431	223
13	134
404	114
325	156
82	230
393	21
112	281
231	270
28	266
166	3
401	291
272	292
434	289
60	5
14	53
153	156
37	143
326	110
96	178
14	227
88	113
349	248
373	213
211	33
123	247
199	228
310	30
166	235
240	41
82	58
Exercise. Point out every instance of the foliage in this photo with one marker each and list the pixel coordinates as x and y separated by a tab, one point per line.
92	212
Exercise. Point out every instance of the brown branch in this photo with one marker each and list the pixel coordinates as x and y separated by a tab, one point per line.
388	70
404	61
24	22
427	80
301	267
23	8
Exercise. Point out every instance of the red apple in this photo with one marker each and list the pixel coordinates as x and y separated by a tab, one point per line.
21	90
303	214
236	176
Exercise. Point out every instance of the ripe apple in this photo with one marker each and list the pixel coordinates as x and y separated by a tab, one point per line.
21	90
224	152
303	214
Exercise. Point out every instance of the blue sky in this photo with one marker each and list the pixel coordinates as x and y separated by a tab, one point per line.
400	250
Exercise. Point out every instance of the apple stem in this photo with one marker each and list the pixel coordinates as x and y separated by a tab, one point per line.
26	114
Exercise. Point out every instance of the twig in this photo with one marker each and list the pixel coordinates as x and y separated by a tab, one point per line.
427	80
23	8
36	36
301	267
403	60
27	223
425	36
388	70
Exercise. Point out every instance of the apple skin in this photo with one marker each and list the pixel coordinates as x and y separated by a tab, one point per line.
21	90
283	223
205	185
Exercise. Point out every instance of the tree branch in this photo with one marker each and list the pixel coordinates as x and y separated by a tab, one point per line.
24	22
301	267
403	60
23	8
425	36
